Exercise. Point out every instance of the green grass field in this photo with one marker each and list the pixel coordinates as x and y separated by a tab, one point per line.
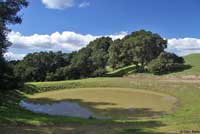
140	91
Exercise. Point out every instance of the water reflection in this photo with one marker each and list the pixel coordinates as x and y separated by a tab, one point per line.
62	109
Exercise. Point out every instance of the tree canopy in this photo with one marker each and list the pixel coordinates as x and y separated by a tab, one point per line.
138	48
35	66
90	61
8	15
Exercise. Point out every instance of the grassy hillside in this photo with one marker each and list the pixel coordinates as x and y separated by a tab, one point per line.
194	61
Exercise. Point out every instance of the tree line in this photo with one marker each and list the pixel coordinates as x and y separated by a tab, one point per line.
90	61
144	49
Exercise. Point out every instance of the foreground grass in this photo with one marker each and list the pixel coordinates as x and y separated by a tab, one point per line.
13	119
187	93
186	116
11	113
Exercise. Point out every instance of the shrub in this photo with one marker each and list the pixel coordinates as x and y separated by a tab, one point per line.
166	63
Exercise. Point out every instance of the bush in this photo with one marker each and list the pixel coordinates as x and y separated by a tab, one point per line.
8	80
166	63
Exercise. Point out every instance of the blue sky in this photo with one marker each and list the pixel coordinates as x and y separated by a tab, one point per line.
73	23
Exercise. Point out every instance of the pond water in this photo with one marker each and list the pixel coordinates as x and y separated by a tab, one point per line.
60	109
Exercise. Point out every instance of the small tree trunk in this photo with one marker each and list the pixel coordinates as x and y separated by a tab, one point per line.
137	66
141	69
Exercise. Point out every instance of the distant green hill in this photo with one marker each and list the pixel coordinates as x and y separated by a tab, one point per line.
193	59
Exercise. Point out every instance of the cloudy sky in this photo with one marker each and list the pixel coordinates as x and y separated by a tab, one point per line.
69	25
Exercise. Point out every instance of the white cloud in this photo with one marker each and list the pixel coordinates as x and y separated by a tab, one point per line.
58	4
184	46
84	4
118	35
70	41
65	41
12	56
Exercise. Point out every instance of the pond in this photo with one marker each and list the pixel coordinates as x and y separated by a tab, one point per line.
71	109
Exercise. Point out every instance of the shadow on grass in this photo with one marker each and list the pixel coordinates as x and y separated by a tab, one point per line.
138	131
177	70
10	98
140	127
